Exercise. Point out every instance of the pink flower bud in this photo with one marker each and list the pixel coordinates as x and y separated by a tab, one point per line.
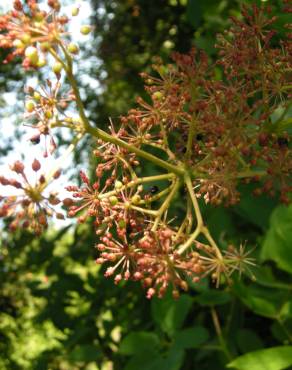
17	167
36	165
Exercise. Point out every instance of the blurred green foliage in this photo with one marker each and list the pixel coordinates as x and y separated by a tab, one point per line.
57	311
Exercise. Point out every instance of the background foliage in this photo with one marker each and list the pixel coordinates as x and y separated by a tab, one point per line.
56	309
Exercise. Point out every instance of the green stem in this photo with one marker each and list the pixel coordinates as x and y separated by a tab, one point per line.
96	132
198	215
212	243
190	139
143	210
221	338
165	204
190	240
200	228
137	181
187	222
155	197
193	197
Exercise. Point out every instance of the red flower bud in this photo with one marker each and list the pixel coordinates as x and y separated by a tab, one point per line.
36	165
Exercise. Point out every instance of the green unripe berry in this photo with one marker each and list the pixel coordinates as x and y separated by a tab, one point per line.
18	44
45	46
157	95
113	200
57	67
30	106
118	185
136	199
37	96
37	24
122	224
73	48
39	17
32	54
48	114
26	39
41	62
85	30
75	11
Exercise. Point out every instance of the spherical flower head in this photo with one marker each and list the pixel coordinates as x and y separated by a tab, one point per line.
32	54
29	208
28	29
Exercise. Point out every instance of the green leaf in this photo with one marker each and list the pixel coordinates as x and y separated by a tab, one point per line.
143	360
191	337
194	13
263	301
213	297
220	220
285	125
281	330
278	241
251	207
276	358
172	360
85	353
170	314
264	276
247	340
139	342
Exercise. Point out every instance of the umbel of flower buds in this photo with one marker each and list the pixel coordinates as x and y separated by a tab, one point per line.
30	208
204	137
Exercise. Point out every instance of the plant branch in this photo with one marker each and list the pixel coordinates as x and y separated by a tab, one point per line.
165	204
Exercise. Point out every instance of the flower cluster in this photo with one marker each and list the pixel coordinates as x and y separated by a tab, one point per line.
205	128
152	260
26	26
29	208
45	109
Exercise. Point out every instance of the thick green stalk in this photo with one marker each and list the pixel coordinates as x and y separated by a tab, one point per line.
166	204
100	134
138	181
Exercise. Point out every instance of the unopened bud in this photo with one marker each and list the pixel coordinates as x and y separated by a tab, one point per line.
42	179
136	199
85	30
157	95
26	39
37	96
118	185
32	54
57	67
42	219
75	11
73	48
41	62
18	44
113	200
57	174
48	114
36	165
45	46
30	106
17	167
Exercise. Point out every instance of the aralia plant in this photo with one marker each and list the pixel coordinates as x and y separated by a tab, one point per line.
203	134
